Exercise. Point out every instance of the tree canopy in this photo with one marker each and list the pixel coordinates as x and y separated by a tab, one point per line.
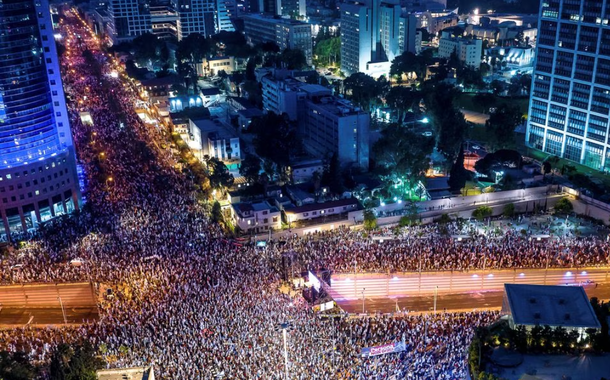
219	174
363	90
402	157
502	123
74	362
16	366
275	139
328	52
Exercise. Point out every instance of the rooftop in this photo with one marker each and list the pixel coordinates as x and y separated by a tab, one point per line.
275	20
324	206
137	373
246	207
550	305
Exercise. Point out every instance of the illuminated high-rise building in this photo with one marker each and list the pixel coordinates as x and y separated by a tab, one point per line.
38	178
570	98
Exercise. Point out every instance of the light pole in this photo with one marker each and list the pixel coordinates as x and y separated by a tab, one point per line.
284	326
363	289
63	311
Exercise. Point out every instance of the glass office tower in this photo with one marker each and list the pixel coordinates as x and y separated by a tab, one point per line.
38	177
570	98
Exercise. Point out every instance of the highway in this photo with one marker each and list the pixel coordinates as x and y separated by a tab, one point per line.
45	304
347	287
449	302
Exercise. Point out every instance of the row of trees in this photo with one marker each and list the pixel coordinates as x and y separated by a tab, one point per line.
78	362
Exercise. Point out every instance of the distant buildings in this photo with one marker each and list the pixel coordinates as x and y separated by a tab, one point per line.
468	50
435	21
38	177
290	8
286	33
128	19
373	33
570	97
326	123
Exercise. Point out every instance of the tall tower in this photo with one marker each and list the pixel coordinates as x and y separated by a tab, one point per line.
38	177
570	97
370	32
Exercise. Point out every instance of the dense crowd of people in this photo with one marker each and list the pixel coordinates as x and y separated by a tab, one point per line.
195	304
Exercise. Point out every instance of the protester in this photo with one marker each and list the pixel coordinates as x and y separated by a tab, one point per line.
195	304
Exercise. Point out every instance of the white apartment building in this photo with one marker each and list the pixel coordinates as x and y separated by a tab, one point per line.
256	217
468	50
128	19
373	33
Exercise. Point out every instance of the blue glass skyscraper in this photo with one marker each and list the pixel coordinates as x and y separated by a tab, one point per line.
37	163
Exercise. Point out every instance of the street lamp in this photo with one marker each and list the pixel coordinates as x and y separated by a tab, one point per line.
285	326
363	289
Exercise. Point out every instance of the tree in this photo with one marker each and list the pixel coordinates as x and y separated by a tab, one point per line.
411	63
74	363
563	206
250	168
546	168
411	215
362	89
328	52
275	140
293	59
509	210
458	175
149	50
498	87
216	212
502	123
485	100
448	122
332	175
370	220
219	174
16	366
402	158
402	99
482	212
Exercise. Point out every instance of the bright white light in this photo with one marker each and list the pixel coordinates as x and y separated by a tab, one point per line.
476	11
568	273
114	74
584	273
475	275
395	278
522	274
425	120
57	36
490	275
399	201
382	204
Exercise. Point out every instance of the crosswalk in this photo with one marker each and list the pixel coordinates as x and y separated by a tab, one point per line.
48	295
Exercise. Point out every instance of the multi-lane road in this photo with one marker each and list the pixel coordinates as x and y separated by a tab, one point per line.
45	304
458	290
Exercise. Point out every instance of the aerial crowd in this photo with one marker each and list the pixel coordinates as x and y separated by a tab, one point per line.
198	305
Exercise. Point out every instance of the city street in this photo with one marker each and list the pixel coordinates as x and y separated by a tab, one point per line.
348	286
490	300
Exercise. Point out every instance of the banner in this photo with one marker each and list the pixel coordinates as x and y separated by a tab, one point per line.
391	348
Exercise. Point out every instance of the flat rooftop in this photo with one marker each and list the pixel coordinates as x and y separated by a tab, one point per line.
550	305
137	373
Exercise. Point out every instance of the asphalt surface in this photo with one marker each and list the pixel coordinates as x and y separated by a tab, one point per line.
450	302
347	286
41	304
14	317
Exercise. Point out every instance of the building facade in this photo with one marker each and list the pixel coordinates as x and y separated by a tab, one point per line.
570	98
373	33
38	178
128	19
468	50
326	123
286	33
